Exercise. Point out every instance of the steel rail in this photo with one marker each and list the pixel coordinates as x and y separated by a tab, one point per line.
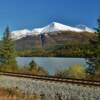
53	79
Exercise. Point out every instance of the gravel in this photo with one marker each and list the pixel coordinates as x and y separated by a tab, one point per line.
60	91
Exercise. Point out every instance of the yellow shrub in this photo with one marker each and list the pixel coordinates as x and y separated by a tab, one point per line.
76	71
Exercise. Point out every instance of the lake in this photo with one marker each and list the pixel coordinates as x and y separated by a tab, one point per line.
51	64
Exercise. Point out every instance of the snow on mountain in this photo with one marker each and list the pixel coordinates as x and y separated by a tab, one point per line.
20	34
53	27
85	28
59	27
37	31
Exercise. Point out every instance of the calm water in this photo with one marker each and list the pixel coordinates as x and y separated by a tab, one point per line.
51	64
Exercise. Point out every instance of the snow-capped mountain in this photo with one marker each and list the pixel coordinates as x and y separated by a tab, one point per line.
51	28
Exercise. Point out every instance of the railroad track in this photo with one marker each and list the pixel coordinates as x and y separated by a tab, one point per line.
53	79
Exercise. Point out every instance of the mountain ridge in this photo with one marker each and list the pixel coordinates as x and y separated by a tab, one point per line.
51	28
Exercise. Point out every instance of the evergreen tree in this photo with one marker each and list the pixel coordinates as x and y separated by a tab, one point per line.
7	51
94	62
98	31
33	65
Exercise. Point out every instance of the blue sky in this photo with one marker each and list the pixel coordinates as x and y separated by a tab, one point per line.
19	14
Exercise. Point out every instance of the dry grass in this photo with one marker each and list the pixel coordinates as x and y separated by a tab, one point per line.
13	94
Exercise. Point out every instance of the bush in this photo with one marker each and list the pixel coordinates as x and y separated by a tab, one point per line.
74	71
36	69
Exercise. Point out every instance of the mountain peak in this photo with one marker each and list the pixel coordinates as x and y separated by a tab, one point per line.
54	22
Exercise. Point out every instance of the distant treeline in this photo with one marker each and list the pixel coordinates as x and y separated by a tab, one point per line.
63	50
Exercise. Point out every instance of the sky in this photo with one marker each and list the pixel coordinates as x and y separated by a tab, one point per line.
29	14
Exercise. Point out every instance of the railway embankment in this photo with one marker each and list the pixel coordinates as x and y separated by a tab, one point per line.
51	89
